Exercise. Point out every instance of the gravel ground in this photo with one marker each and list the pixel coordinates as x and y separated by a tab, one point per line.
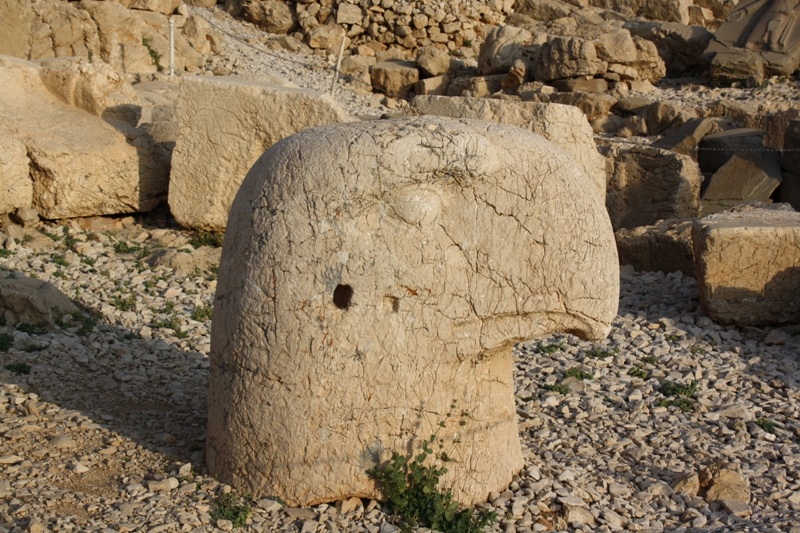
106	431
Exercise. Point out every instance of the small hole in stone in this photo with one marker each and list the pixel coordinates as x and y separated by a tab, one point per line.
342	295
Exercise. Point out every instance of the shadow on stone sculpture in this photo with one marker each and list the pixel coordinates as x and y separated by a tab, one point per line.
373	273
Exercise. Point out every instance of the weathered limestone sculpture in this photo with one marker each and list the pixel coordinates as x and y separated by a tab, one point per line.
374	272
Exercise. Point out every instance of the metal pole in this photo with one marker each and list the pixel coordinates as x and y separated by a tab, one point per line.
171	46
338	64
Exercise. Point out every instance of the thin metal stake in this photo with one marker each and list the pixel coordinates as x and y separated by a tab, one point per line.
338	64
171	46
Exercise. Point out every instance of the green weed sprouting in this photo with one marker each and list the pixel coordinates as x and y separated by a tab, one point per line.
414	495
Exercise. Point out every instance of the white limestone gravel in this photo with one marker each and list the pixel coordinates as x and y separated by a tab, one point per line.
106	432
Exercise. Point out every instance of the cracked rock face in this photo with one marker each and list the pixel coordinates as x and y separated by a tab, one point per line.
372	274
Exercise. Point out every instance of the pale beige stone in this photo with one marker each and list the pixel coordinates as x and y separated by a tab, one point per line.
748	266
225	125
16	189
63	143
32	301
93	87
687	485
665	246
502	46
373	273
564	126
650	184
15	27
394	78
568	57
728	485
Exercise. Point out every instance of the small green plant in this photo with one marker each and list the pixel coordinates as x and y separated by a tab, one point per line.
6	342
597	353
467	42
412	489
54	236
105	273
125	248
561	389
154	55
168	307
130	336
60	274
577	373
206	238
684	404
767	425
650	359
34	348
670	388
124	303
91	56
139	266
87	261
202	313
32	329
227	507
26	239
697	349
548	348
5	253
639	372
69	242
19	368
672	338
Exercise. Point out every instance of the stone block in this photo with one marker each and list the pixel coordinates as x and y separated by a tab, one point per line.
716	149
790	160
685	139
592	105
225	125
665	246
16	188
749	177
405	256
394	78
649	184
748	266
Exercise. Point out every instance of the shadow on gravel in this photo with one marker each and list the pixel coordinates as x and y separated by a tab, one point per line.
149	391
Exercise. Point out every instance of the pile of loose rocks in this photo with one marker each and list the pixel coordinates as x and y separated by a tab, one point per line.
670	424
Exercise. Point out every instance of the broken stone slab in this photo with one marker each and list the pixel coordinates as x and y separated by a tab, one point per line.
665	246
394	78
389	273
761	31
568	57
685	139
225	125
632	105
748	267
714	150
681	46
592	105
32	301
502	47
594	85
752	176
62	142
737	64
649	184
562	125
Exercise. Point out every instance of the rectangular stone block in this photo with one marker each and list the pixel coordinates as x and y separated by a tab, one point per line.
748	266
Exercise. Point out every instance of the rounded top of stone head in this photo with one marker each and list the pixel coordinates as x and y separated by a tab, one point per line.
478	233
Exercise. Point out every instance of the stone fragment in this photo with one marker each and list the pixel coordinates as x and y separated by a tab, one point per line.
348	506
665	246
502	47
568	57
543	10
225	125
681	46
63	442
16	188
687	485
62	143
649	184
268	505
272	16
714	150
355	266
632	105
750	177
685	139
326	37
436	86
660	116
348	14
728	485
394	78
32	301
737	65
592	105
564	126
593	85
480	86
433	61
742	510
607	124
748	272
